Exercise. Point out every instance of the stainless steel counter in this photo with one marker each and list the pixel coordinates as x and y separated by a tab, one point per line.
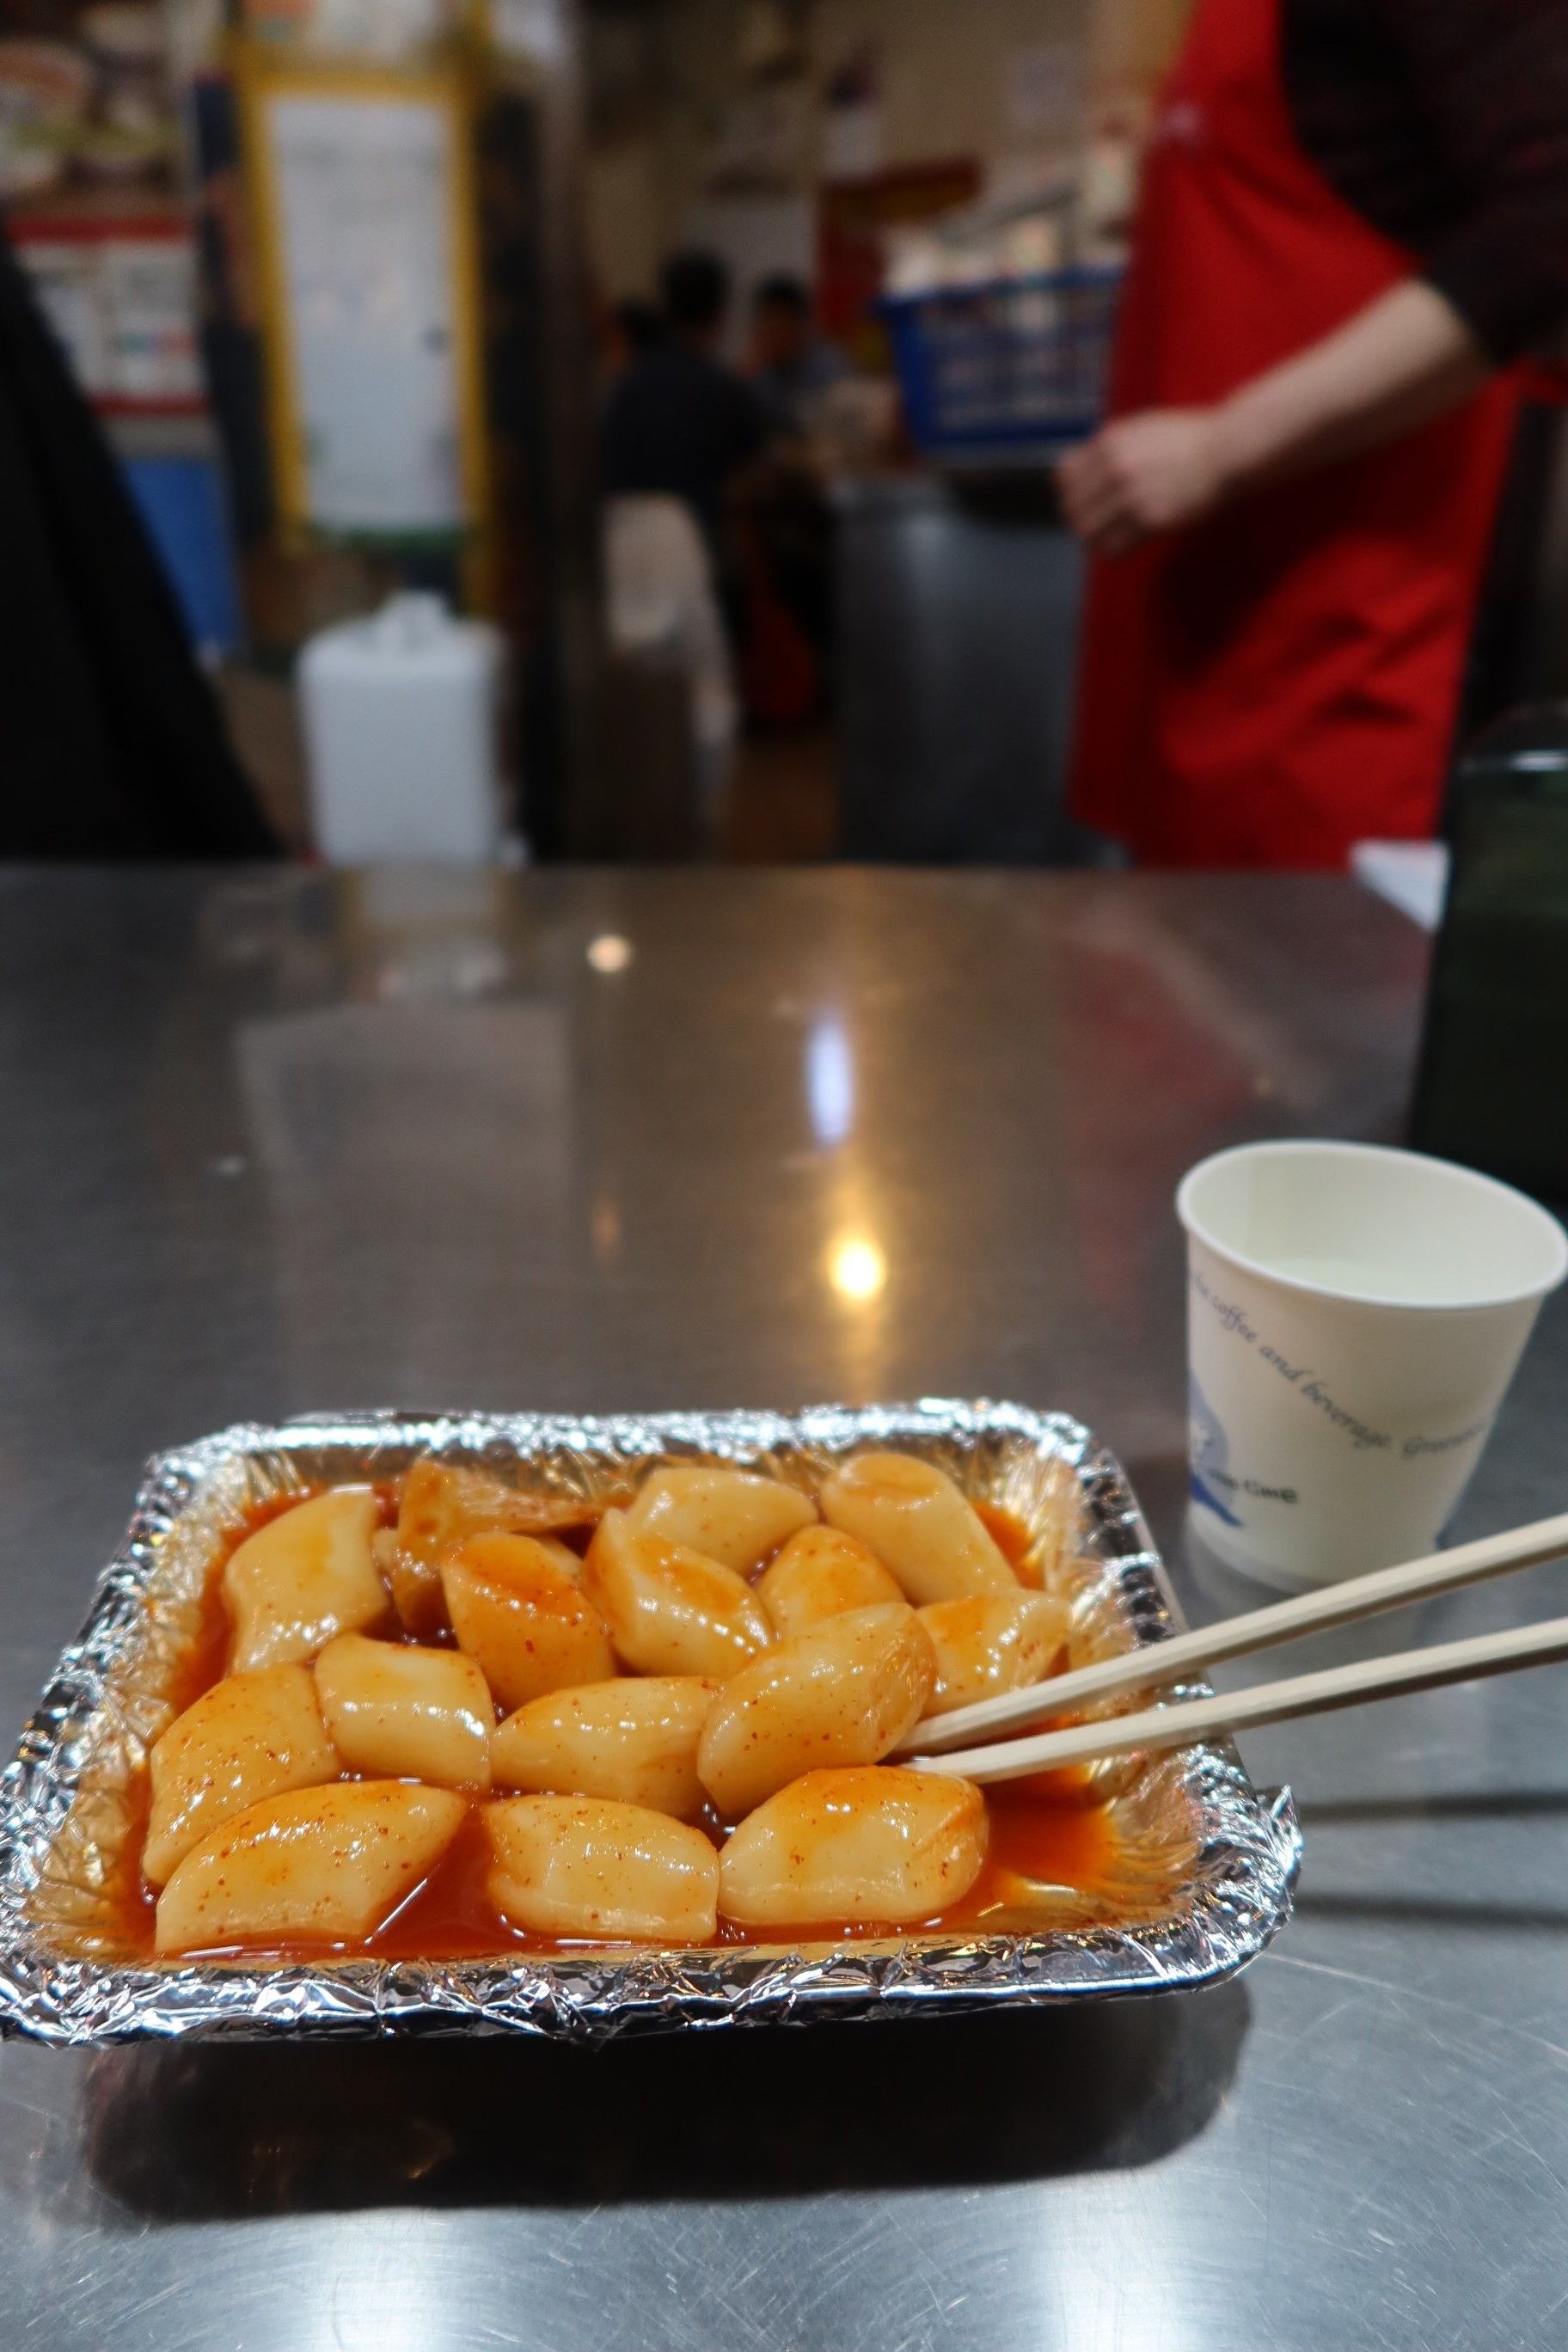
591	1142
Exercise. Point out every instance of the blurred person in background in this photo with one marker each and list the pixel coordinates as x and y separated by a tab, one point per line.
787	528
623	332
636	328
791	366
680	422
679	427
1353	222
112	742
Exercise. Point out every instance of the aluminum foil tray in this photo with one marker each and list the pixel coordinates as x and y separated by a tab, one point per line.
1204	1865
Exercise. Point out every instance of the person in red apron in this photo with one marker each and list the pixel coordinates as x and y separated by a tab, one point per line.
1353	218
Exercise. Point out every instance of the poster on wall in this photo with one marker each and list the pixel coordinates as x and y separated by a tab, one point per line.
120	295
367	233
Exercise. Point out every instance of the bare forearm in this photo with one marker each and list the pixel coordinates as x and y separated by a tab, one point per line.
1407	358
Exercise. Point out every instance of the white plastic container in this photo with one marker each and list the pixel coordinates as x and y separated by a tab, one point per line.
402	736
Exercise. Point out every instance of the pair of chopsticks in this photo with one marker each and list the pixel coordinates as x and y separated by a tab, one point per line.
937	1745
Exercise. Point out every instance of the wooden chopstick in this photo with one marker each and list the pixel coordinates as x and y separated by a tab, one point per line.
1207	1718
1157	1663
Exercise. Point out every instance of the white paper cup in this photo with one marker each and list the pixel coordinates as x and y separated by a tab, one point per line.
1354	1316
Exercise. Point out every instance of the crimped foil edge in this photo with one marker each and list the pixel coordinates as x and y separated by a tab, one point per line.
1237	1897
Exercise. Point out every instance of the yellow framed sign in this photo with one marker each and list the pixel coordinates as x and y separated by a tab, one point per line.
367	231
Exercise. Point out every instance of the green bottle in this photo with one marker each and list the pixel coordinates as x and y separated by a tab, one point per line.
1492	1087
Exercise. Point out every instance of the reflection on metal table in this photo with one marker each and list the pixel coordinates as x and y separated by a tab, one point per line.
589	1142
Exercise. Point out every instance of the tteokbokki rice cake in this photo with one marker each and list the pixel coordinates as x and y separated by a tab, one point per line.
443	1717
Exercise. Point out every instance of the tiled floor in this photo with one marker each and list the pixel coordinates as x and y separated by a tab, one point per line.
783	800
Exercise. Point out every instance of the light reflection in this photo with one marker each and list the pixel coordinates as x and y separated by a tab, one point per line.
609	952
856	1267
829	1080
606	1229
378	2294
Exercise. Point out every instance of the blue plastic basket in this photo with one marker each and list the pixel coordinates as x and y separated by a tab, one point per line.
1014	367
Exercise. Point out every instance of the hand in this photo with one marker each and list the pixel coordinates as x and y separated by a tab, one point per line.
1152	472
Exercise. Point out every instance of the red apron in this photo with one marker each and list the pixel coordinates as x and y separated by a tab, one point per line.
1282	680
